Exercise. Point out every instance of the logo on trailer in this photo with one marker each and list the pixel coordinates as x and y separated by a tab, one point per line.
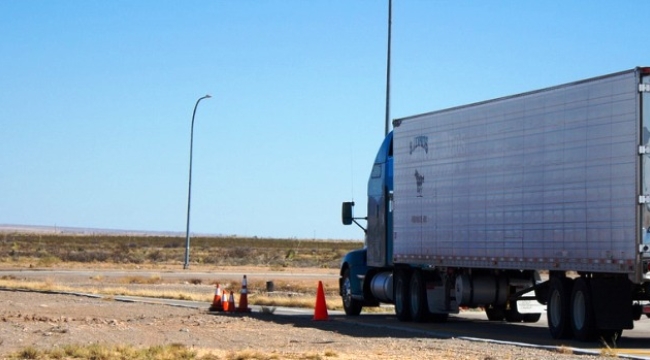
419	142
419	180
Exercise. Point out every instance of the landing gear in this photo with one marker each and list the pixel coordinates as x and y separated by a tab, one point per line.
512	314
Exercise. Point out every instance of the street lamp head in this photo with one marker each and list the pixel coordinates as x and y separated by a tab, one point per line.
207	96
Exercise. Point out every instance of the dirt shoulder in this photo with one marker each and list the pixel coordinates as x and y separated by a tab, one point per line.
51	320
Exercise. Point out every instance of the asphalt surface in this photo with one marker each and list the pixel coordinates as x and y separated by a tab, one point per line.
468	325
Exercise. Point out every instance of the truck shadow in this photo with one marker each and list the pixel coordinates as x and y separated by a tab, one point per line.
469	328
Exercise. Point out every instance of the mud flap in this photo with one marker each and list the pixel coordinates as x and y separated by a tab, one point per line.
612	301
437	296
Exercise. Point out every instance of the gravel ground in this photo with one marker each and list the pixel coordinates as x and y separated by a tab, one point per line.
47	321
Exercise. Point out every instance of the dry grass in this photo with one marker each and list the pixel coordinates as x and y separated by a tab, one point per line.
38	250
290	299
299	293
565	350
293	301
106	290
19	250
162	352
103	251
134	279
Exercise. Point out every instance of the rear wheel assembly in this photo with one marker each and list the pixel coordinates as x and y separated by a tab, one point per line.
401	282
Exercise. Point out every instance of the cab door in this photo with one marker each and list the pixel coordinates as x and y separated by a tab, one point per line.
380	224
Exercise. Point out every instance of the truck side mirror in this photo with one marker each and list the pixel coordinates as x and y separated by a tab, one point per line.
346	212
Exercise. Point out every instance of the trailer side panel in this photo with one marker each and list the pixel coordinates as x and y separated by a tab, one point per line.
542	180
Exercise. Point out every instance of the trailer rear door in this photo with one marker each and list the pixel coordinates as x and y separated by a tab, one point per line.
644	150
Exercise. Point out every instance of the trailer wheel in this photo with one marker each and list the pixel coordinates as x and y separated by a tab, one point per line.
583	319
351	305
402	301
418	295
558	313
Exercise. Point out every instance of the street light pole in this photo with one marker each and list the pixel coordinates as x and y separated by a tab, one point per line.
390	25
189	189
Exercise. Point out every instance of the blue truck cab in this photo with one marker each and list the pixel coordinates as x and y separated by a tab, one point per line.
360	265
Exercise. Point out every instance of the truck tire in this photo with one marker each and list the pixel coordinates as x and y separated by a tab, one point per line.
583	318
495	313
351	305
418	295
402	300
512	314
558	308
532	318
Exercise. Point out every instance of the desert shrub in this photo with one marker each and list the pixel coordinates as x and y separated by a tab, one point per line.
48	261
134	279
237	252
84	256
210	259
219	251
124	248
134	258
155	256
173	244
29	353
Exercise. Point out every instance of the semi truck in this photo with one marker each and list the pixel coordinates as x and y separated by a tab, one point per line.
538	197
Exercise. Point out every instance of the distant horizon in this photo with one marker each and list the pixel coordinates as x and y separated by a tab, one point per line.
56	229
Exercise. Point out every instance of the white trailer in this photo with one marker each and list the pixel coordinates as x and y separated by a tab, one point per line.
543	195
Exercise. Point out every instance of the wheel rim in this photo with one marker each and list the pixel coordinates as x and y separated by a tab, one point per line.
398	294
579	310
347	292
415	295
400	305
555	308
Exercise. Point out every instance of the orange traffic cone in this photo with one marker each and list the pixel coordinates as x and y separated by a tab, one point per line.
231	303
216	302
243	297
224	302
320	311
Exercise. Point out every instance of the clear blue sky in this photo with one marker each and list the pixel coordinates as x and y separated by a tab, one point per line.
97	99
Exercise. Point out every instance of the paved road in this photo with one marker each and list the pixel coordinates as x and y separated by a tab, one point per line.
470	325
474	325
